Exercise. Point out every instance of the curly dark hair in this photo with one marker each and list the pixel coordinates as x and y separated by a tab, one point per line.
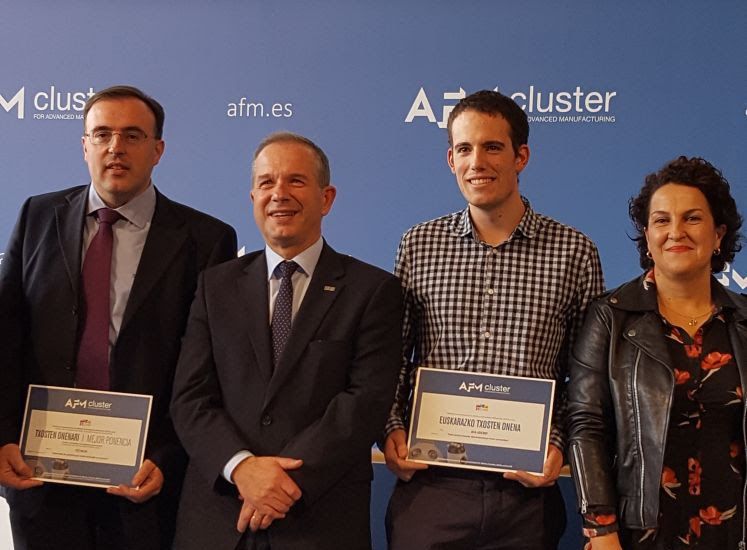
701	174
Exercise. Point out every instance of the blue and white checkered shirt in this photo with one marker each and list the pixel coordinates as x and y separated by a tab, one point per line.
512	309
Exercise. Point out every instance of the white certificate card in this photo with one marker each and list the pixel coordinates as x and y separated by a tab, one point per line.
481	421
84	437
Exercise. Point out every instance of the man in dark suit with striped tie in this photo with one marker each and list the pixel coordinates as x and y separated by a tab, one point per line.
286	373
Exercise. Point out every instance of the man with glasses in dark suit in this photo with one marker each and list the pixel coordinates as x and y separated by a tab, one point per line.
95	289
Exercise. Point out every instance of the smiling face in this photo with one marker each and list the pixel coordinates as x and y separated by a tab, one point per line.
289	203
121	171
484	162
681	233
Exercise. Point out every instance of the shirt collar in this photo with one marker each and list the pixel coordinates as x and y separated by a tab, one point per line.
306	260
139	211
529	224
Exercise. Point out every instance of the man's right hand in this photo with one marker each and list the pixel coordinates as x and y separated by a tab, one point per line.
267	490
14	472
395	453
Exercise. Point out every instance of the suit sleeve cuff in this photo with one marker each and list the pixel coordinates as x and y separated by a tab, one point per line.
235	461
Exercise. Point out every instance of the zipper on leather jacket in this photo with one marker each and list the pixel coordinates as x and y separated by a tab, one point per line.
579	483
637	410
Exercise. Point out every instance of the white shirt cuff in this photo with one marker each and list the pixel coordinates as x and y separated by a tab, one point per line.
231	464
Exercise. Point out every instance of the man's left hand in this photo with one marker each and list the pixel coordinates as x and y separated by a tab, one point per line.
146	484
551	471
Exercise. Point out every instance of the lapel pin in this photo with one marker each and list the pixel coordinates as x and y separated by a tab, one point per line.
328	288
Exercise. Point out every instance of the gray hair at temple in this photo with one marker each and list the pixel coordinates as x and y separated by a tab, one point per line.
290	137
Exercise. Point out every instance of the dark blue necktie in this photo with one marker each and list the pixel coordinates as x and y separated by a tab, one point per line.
93	351
283	310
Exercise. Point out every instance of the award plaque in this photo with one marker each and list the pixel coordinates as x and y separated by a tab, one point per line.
84	437
480	421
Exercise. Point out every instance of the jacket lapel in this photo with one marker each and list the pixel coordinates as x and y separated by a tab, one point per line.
647	334
253	296
644	330
165	239
70	219
738	337
324	287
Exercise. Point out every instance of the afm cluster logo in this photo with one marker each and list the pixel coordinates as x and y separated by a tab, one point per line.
573	105
87	404
469	387
75	403
731	275
47	104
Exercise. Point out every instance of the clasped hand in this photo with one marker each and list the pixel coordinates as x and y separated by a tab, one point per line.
266	490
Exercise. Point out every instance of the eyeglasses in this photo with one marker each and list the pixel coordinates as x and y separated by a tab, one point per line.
131	136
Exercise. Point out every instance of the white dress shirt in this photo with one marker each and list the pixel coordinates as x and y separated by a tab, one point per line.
306	261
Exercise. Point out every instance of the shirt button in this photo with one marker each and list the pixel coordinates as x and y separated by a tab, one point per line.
631	332
266	420
491	291
486	334
613	300
495	251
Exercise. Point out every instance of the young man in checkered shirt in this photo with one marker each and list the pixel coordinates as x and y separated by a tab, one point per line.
495	288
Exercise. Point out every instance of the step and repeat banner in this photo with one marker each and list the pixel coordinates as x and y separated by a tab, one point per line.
613	91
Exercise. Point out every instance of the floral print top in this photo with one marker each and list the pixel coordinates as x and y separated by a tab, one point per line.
703	474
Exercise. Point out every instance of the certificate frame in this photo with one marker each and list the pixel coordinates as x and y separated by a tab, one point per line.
480	421
84	437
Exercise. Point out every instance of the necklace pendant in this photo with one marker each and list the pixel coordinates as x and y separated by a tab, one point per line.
692	322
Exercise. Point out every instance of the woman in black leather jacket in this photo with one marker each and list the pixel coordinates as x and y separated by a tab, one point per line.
658	378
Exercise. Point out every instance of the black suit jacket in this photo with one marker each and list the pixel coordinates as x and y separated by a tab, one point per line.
40	300
325	402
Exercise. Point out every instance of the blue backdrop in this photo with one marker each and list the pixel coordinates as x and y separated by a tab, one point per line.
613	91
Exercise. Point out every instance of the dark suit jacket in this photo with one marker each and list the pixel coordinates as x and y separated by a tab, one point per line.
325	402
40	300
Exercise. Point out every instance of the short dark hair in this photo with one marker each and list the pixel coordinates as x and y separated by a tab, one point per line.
494	103
702	175
284	137
120	92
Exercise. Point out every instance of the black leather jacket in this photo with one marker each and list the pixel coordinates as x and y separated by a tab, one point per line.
620	392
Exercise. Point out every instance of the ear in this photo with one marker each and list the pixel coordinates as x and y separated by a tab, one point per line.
522	158
720	232
450	159
85	149
329	192
158	151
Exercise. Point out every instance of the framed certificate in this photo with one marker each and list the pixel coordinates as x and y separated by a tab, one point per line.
84	437
480	421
